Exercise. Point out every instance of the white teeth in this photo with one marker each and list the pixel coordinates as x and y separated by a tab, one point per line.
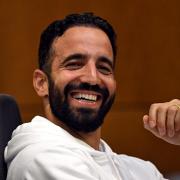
94	98
85	96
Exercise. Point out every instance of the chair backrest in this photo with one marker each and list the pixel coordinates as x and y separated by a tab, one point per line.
9	119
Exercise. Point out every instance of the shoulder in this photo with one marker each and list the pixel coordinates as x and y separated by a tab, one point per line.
37	162
136	162
140	168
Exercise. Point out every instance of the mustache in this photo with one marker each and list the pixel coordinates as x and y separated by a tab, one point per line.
86	86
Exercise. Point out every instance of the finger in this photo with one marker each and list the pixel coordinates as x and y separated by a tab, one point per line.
148	127
153	115
146	122
170	126
177	121
145	119
161	120
152	130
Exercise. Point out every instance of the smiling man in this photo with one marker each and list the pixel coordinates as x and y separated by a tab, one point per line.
76	82
81	84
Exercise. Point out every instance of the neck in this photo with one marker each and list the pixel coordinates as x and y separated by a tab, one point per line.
91	138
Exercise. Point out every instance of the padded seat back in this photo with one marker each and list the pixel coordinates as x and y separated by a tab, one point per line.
9	119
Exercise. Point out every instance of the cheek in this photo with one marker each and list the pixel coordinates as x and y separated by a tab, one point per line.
111	85
63	79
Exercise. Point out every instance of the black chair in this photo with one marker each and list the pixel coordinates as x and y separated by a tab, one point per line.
9	119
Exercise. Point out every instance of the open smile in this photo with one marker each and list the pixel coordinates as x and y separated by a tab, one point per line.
84	98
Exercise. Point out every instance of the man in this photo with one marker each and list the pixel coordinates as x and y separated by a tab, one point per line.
76	82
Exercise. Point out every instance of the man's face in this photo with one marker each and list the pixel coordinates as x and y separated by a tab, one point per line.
82	85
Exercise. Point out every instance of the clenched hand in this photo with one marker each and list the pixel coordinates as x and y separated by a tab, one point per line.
164	121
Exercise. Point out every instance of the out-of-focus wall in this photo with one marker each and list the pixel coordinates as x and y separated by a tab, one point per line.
147	70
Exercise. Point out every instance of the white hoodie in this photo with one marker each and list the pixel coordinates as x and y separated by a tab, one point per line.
40	150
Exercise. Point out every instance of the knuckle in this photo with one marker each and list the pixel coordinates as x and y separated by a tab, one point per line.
175	101
171	110
154	105
161	109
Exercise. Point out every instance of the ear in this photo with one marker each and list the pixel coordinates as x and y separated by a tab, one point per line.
40	83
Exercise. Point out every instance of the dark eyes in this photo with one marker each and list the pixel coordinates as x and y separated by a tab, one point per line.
75	65
104	69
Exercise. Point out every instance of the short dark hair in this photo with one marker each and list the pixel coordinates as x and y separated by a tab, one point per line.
58	27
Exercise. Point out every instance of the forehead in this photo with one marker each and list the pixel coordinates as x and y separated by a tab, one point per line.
81	39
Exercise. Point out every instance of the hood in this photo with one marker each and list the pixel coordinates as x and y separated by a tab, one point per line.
41	130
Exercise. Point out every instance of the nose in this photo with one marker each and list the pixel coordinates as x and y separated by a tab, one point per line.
90	74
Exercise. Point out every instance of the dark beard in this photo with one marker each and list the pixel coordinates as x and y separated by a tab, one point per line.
79	119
